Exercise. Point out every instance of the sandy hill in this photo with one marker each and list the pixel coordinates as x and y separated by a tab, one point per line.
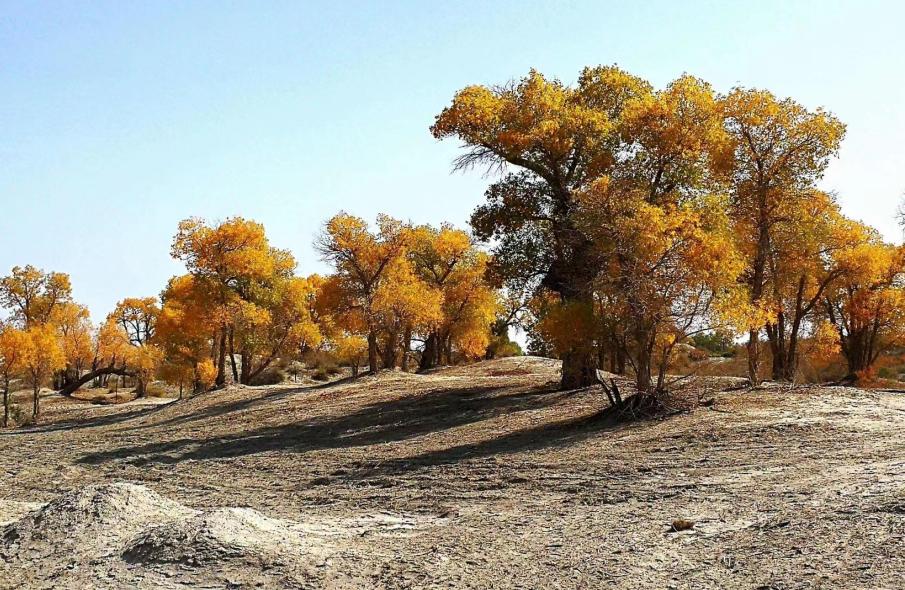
474	477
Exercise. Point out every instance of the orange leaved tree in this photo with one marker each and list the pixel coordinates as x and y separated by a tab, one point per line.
232	261
14	344
447	260
361	259
866	305
780	150
559	140
42	356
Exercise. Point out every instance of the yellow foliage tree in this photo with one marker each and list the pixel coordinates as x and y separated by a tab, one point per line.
14	345
41	357
866	306
447	260
279	321
403	304
186	330
807	253
780	149
562	140
352	350
73	324
33	294
663	236
235	262
361	260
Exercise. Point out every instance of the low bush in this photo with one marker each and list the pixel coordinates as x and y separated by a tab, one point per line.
269	376
19	416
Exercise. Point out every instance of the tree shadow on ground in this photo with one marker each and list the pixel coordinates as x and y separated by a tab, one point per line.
550	435
238	405
87	422
378	423
149	410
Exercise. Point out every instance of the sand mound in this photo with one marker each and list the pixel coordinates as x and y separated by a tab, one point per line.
123	535
91	520
225	533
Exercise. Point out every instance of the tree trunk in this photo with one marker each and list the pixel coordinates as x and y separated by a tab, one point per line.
252	373
36	407
406	348
245	376
753	358
579	363
101	372
429	355
757	282
389	352
579	369
643	363
372	352
221	360
661	370
6	403
857	353
232	357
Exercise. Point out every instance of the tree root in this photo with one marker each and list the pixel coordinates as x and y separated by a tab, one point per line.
638	406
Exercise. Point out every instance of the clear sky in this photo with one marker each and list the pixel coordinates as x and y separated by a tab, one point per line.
118	119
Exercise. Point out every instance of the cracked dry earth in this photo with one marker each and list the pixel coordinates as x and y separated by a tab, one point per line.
473	477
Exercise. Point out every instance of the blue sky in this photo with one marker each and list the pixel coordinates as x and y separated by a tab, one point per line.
119	119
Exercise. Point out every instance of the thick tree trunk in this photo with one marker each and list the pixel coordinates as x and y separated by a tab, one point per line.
579	369
858	353
389	352
579	363
644	362
74	386
429	355
245	376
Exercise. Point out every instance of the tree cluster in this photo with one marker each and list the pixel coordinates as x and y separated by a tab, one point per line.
401	296
633	218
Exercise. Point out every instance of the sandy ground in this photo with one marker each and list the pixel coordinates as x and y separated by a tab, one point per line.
473	477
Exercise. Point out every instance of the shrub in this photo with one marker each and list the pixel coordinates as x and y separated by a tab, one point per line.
269	376
697	355
19	416
716	343
157	389
295	369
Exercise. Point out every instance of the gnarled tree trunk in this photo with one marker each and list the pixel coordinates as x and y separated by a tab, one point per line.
75	385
